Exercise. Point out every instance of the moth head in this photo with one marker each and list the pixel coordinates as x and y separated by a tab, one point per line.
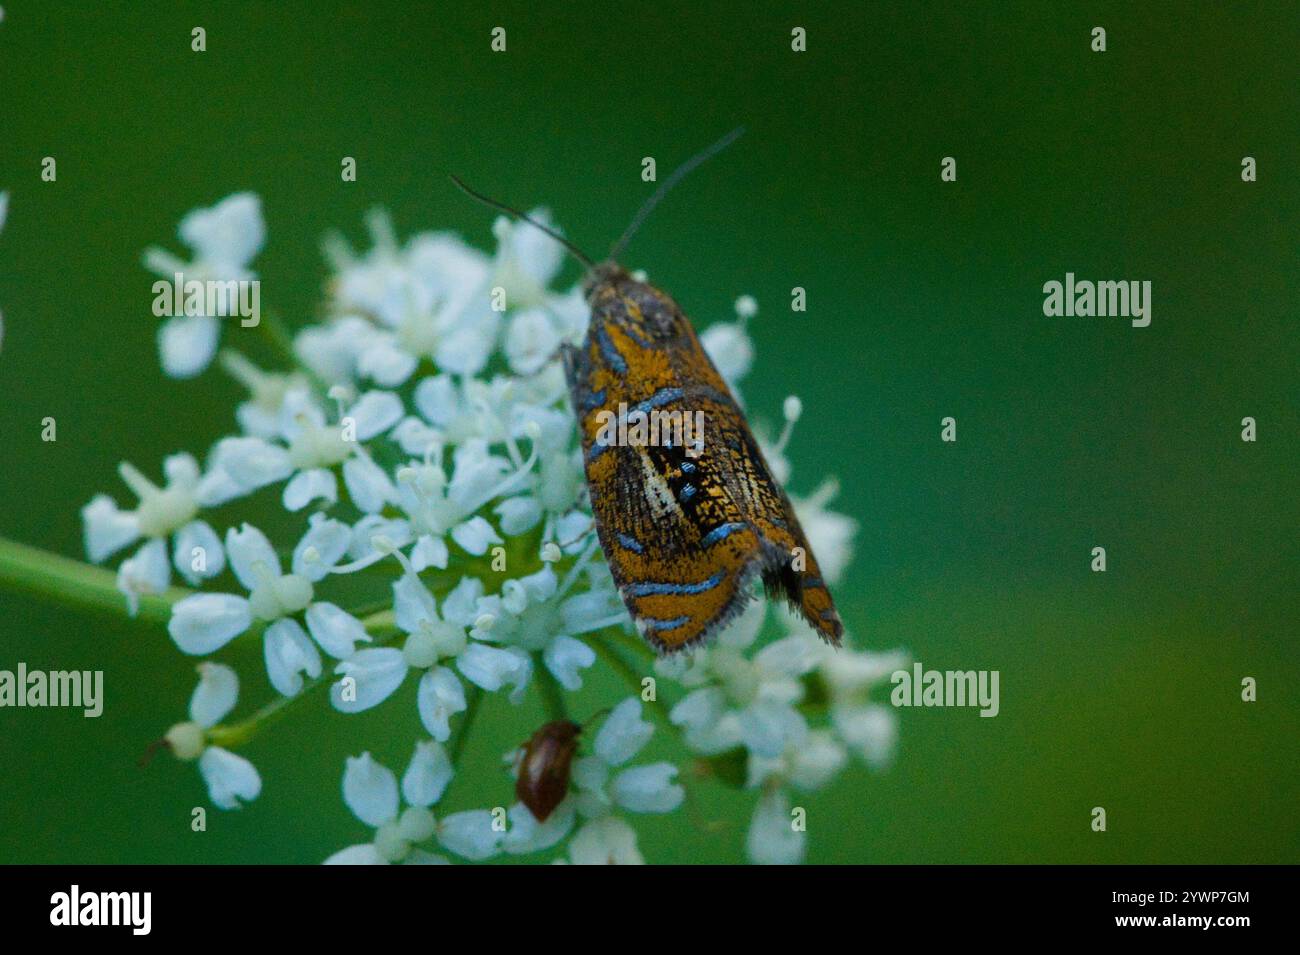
600	276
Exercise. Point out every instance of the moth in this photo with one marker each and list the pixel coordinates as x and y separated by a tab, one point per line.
686	526
543	779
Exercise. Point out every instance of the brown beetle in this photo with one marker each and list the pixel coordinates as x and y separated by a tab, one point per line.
543	780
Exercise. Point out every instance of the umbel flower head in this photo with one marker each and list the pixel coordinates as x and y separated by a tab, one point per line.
419	437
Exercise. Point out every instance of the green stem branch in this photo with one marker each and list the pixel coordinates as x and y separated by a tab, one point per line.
549	689
50	576
237	734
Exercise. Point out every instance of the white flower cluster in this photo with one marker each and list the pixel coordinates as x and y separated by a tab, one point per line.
424	432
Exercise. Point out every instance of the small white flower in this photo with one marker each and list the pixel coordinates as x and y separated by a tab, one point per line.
162	512
431	638
230	779
371	791
224	239
204	623
746	701
642	789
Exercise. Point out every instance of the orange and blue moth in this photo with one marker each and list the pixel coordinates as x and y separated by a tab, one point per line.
687	526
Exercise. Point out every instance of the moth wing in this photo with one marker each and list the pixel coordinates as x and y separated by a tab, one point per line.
680	550
787	565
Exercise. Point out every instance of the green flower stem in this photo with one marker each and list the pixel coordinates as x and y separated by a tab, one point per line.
460	734
456	744
549	689
633	677
40	573
237	734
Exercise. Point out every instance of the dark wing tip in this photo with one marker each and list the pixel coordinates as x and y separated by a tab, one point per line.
808	595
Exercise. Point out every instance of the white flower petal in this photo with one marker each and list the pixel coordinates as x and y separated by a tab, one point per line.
475	535
605	841
365	530
817	761
468	342
429	551
518	514
436	399
370	790
187	344
310	485
439	696
216	694
323	546
239	466
248	547
198	540
461	605
367	484
386	363
768	726
289	654
525	834
731	349
375	412
741	633
870	729
377	672
531	341
412	603
204	623
830	534
531	250
181	470
107	528
230	778
648	788
228	234
491	668
427	776
336	630
564	657
365	854
470	835
772	838
623	733
146	572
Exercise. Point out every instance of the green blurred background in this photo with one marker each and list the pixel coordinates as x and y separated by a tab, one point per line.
1118	690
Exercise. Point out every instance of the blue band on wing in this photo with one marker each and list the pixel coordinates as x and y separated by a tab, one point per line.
653	588
612	355
721	531
631	543
652	623
660	397
593	400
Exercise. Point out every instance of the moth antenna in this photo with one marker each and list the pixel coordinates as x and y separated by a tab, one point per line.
680	173
573	250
